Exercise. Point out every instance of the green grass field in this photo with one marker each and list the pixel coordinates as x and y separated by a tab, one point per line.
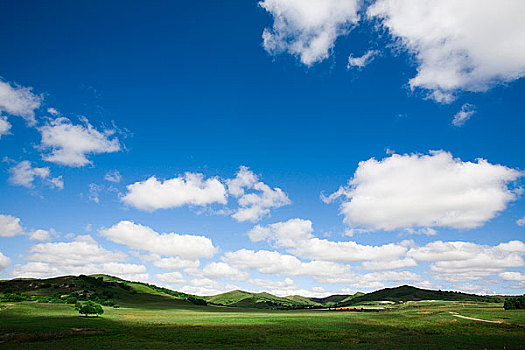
167	323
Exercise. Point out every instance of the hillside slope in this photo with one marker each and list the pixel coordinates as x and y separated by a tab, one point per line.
103	289
409	293
239	298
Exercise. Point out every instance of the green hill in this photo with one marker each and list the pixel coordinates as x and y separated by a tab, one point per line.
239	298
409	293
113	291
336	299
103	289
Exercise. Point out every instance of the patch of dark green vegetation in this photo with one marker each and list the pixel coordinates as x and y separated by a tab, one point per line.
516	303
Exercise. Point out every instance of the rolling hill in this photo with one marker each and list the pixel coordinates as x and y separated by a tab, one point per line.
113	291
409	293
239	298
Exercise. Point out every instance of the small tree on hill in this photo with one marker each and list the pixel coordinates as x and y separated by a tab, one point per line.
89	308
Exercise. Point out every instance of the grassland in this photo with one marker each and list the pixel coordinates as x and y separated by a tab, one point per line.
158	322
150	317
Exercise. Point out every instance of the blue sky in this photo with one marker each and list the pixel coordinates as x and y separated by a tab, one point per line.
293	147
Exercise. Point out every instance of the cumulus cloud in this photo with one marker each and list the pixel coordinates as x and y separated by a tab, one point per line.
362	61
94	192
461	117
296	235
283	234
287	287
190	189
81	256
69	143
206	286
5	126
19	101
77	253
381	264
461	261
5	262
521	222
468	45
219	270
308	29
170	262
41	235
271	262
406	191
255	199
261	198
512	276
113	176
24	174
323	249
10	226
171	278
168	244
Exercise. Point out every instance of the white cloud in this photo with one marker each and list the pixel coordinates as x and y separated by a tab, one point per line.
71	143
191	189
405	191
381	264
169	244
461	117
219	270
461	261
41	235
19	101
131	272
255	198
468	45
244	178
362	61
308	29
296	235
94	192
83	250
256	204
171	278
10	226
521	222
52	111
370	280
113	176
24	174
270	262
5	262
206	286
512	276
5	126
323	249
81	256
170	262
283	234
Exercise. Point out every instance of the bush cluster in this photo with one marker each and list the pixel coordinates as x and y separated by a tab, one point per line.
514	303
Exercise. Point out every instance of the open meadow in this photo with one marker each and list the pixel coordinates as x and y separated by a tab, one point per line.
168	323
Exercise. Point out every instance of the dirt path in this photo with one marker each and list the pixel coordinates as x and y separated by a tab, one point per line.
472	318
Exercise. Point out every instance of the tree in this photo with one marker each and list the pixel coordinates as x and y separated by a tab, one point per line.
514	303
89	308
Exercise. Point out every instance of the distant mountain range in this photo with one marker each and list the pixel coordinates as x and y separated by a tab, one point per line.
109	290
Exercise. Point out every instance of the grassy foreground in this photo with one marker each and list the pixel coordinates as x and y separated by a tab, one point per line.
416	325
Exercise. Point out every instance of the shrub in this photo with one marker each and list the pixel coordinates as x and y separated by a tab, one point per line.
89	308
514	303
